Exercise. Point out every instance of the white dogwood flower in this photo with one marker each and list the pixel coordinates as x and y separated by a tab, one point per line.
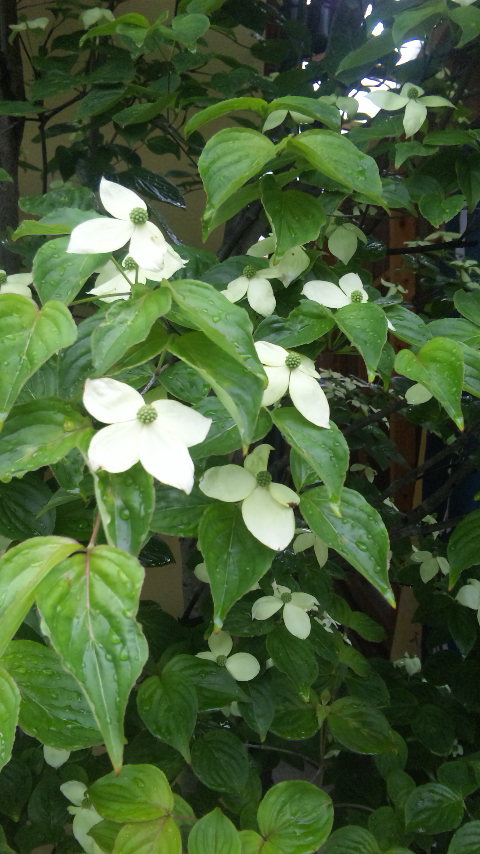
111	284
147	247
16	283
255	286
415	102
158	434
241	665
305	540
266	506
295	607
348	290
296	374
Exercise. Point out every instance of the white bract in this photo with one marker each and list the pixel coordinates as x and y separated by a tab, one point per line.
255	286
157	435
430	565
17	283
293	262
296	374
241	665
295	607
415	102
276	117
349	290
266	506
111	284
147	247
305	540
469	595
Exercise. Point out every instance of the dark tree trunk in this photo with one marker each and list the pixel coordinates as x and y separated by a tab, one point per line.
11	129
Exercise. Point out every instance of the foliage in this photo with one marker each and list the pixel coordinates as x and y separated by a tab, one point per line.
269	717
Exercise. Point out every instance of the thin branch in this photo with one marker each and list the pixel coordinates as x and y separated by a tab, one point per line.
375	416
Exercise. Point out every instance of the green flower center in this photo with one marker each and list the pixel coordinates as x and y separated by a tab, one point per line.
221	660
356	296
138	216
129	264
293	361
286	598
413	92
264	478
3	277
249	271
147	414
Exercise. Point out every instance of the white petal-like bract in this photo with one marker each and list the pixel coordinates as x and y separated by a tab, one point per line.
296	621
325	293
227	483
116	448
119	201
309	398
270	522
111	401
242	666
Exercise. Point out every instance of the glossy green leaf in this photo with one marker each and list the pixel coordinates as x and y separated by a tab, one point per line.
59	275
372	49
28	337
365	326
306	323
359	726
325	451
168	706
126	323
21	503
138	793
468	304
295	816
31	226
223	436
253	843
9	709
433	808
468	172
22	569
214	686
177	513
221	109
408	326
98	593
220	761
151	837
315	108
352	840
237	388
225	324
439	367
40	433
466	840
228	160
295	217
468	19
214	833
294	657
234	558
410	19
338	158
358	534
125	502
462	549
437	209
53	708
259	711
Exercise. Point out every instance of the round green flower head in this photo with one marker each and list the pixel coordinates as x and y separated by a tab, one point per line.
221	660
356	296
286	598
264	478
249	271
138	216
147	414
413	92
293	361
129	263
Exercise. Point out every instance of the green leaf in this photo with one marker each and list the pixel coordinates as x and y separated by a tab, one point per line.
22	569
126	503
38	434
365	326
28	337
462	549
325	451
352	840
223	436
433	808
295	217
137	793
253	843
221	109
459	775
19	108
296	817
177	513
416	19
20	502
294	657
439	367
98	101
126	323
220	761
468	304
433	727
468	172
59	275
98	593
438	209
167	704
468	19
228	160
4	176
52	709
338	158
409	326
187	29
150	837
215	834
234	558
140	113
359	726
31	226
466	840
372	49
306	323
358	534
214	686
259	711
9	708
313	107
237	388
